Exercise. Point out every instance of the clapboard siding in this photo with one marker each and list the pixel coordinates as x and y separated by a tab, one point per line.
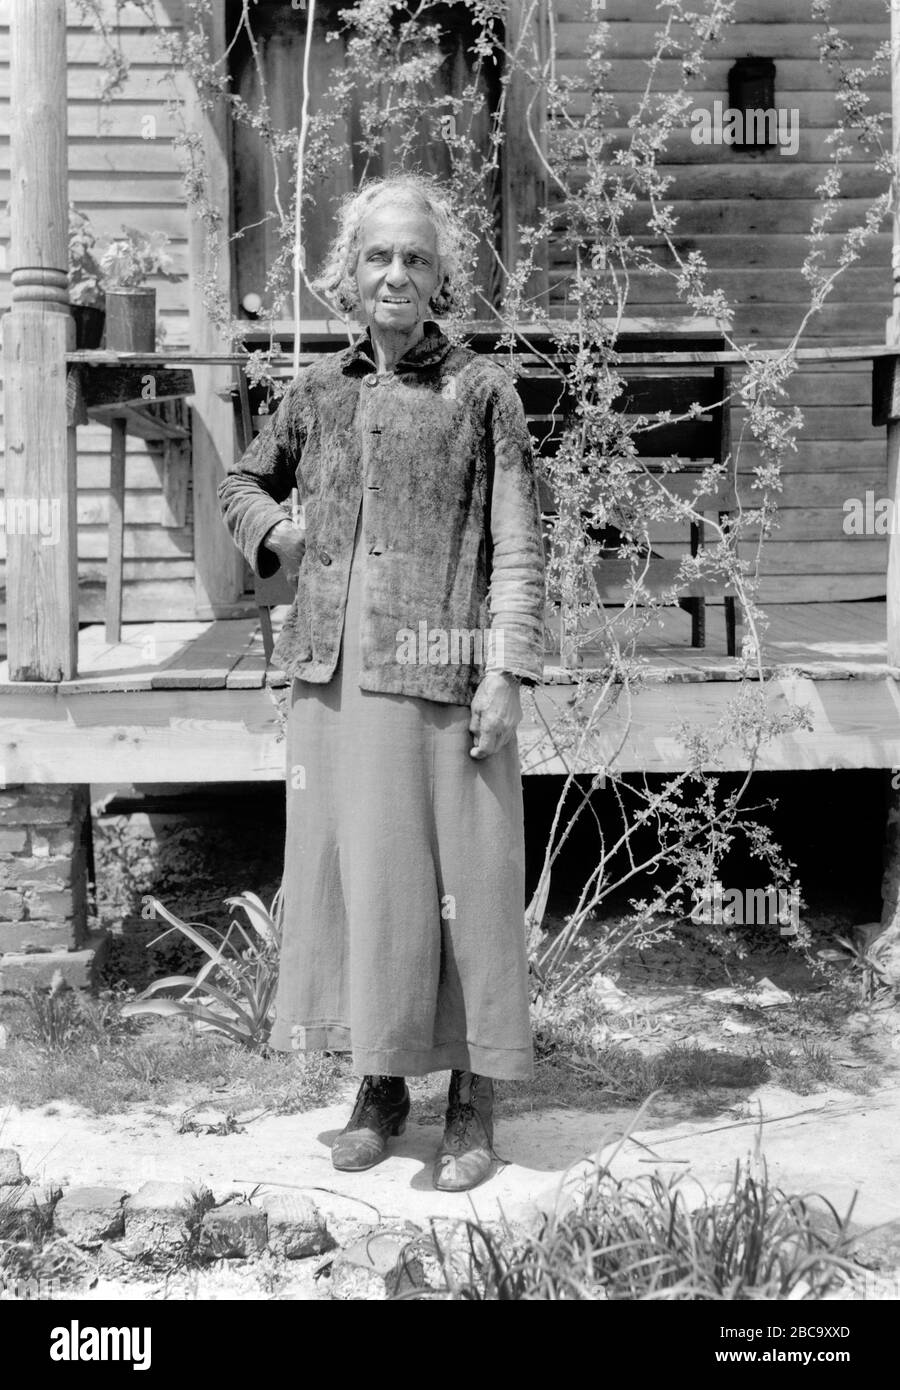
117	176
748	214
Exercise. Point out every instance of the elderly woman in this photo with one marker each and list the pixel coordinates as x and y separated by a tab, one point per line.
419	611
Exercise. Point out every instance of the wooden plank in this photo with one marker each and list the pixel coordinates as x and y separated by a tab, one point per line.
792	523
786	179
825	422
745	215
88	48
816	587
145	82
616	576
117	385
524	196
824	456
249	673
90	187
142	420
543	395
689	439
219	573
116	530
855	724
729	250
176	468
142	506
636	40
818	109
140	542
769	12
129	15
207	661
794	72
747	287
665	326
142	475
135	571
809	146
885	408
177	735
157	736
151	598
680	485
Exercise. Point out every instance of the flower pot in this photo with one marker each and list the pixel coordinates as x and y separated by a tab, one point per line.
131	320
89	321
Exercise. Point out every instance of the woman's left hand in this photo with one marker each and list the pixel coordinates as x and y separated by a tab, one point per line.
496	710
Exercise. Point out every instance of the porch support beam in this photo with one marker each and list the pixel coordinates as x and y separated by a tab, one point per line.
524	175
886	404
219	571
42	589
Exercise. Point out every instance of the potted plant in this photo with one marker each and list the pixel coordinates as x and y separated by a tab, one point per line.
127	263
85	281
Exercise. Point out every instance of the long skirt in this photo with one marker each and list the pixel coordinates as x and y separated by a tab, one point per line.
404	882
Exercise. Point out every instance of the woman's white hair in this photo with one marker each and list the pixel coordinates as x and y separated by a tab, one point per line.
337	279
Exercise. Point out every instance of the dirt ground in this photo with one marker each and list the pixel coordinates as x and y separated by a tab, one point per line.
793	1066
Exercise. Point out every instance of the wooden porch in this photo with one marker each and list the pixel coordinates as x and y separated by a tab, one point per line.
193	701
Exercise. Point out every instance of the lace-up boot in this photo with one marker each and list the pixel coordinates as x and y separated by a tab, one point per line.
467	1148
382	1105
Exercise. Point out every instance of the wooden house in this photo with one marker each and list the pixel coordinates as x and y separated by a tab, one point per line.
183	695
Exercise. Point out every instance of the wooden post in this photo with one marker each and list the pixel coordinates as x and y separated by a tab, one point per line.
115	529
41	565
219	569
893	337
886	408
524	176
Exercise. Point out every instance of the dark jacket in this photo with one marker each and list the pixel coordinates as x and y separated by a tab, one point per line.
452	536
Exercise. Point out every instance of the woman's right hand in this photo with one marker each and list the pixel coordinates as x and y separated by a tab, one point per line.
287	543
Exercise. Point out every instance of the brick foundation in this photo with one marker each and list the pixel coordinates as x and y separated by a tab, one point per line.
43	867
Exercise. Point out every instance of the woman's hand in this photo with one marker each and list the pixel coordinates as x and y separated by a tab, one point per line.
496	710
287	543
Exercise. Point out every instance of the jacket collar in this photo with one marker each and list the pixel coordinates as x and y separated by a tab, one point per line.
427	352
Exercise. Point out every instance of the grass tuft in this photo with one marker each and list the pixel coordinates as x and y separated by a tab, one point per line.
642	1240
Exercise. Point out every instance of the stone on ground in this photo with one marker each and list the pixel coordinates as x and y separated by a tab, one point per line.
157	1220
381	1266
879	1247
234	1231
39	969
296	1226
91	1215
10	1168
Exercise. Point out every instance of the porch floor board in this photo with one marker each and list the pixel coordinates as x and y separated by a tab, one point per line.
187	701
829	641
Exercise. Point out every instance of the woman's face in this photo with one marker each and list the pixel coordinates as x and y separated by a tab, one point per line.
398	269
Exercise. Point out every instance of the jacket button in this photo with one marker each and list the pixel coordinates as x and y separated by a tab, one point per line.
324	557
